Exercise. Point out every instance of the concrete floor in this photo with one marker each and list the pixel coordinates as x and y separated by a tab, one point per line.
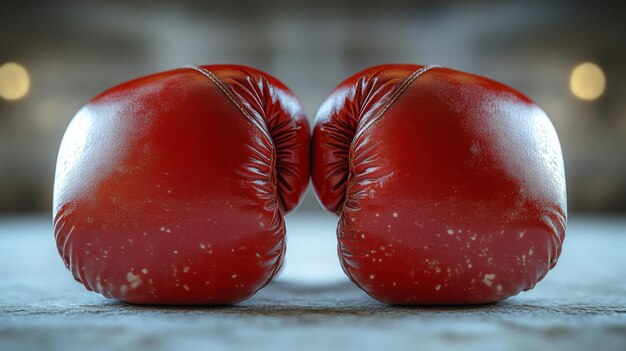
581	305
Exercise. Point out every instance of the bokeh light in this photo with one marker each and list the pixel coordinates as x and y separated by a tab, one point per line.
587	81
14	81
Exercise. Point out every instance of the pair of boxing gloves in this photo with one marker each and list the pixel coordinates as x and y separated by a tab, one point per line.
172	188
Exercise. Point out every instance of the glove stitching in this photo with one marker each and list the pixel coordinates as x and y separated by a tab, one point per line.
272	181
395	96
212	77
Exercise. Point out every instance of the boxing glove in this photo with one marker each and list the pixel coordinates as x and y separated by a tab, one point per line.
171	188
450	187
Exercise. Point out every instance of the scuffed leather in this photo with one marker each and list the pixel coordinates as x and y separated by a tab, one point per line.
453	194
171	188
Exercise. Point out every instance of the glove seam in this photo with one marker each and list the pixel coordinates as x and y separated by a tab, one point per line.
342	217
222	86
218	82
407	82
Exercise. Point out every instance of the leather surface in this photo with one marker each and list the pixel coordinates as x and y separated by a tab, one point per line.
450	187
171	188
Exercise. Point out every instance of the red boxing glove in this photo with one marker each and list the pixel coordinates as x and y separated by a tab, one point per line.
450	187
171	188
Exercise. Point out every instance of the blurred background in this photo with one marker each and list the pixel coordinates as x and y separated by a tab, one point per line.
569	56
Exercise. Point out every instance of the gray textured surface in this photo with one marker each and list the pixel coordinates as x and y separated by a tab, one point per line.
580	305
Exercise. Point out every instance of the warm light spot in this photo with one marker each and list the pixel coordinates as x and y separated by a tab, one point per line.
587	81
14	81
